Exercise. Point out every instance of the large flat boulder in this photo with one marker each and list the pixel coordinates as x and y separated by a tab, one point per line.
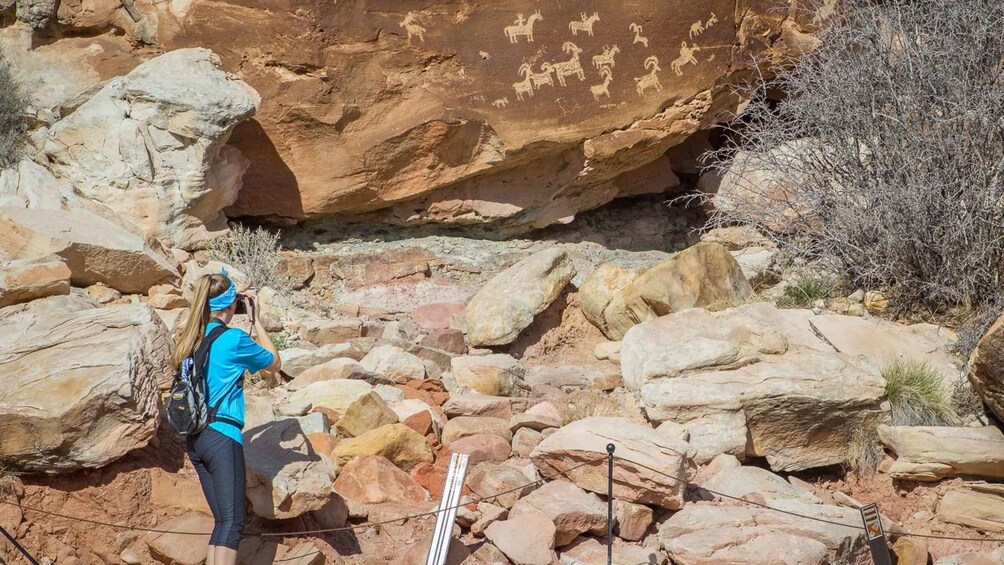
930	453
79	387
752	380
94	249
983	511
584	443
572	510
528	540
372	479
508	303
27	280
708	533
181	549
286	478
703	276
397	442
151	146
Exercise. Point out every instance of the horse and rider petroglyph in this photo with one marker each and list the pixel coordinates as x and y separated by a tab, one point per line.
638	37
584	24
651	80
686	56
607	57
522	27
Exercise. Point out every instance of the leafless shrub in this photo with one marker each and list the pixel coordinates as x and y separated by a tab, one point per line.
864	454
585	403
885	159
13	104
256	253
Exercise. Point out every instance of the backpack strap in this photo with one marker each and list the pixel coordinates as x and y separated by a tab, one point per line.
202	357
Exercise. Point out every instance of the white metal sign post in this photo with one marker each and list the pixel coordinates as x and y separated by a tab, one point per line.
447	513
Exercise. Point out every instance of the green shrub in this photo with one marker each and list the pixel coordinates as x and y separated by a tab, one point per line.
917	395
805	290
13	104
256	253
284	339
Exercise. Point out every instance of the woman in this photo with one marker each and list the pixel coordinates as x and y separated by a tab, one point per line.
217	452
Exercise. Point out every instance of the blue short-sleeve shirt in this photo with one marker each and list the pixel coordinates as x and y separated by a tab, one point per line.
233	353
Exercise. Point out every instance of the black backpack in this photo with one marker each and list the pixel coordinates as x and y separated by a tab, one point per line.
187	409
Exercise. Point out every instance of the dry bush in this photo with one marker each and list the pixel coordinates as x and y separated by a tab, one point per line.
585	403
885	158
917	395
13	105
255	252
864	453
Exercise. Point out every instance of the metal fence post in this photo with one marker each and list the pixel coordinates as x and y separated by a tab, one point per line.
875	534
610	503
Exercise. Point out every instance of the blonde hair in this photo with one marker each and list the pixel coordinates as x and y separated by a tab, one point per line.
209	286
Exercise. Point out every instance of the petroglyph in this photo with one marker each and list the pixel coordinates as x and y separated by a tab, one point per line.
601	89
543	77
571	66
711	21
524	86
651	80
607	57
638	37
501	102
686	56
522	27
584	24
696	29
410	24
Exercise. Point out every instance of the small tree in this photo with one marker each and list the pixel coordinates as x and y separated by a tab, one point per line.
885	157
13	104
255	252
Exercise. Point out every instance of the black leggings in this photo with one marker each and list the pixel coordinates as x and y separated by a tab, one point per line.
219	461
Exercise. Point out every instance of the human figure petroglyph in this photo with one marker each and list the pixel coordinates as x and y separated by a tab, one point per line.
584	24
571	66
638	38
601	89
697	28
607	57
524	86
522	27
651	80
410	24
543	77
501	102
686	56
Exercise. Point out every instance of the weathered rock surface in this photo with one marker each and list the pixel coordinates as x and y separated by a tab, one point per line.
178	549
572	510
397	442
495	374
151	146
79	388
394	363
466	426
26	280
368	412
508	303
370	479
286	478
95	250
705	275
633	520
335	395
566	377
974	509
982	558
528	540
738	482
585	441
339	368
931	453
709	533
753	380
486	479
986	368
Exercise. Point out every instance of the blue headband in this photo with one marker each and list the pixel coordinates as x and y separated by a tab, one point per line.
223	301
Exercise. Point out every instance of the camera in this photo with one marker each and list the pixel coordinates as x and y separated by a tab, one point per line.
241	304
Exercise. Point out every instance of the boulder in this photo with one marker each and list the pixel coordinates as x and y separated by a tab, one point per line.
181	549
757	264
526	541
930	453
703	276
525	440
397	442
572	510
494	374
151	146
29	279
589	551
709	533
94	249
537	422
368	412
296	360
449	340
476	404
481	448
986	368
599	290
371	479
486	479
753	380
412	407
335	395
330	331
79	387
394	363
738	482
286	478
632	520
642	460
418	553
911	551
465	426
508	303
304	553
339	368
992	557
569	377
978	510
